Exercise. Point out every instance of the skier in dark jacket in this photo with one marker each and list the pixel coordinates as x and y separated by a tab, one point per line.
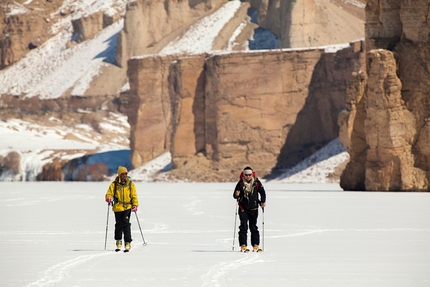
247	193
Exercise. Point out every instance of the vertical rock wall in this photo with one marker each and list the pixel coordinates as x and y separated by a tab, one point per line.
187	91
385	126
308	23
149	108
269	109
21	32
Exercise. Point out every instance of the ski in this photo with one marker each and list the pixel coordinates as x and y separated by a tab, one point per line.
247	250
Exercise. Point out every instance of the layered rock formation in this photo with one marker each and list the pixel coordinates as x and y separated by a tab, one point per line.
150	25
87	27
22	31
385	128
311	23
216	111
269	109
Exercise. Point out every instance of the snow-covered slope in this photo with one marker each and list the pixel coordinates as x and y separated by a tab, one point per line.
52	69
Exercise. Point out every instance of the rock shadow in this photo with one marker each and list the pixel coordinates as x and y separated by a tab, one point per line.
316	123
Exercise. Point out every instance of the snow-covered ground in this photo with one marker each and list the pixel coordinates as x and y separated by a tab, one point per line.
53	234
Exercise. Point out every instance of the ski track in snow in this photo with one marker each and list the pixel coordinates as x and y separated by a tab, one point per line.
59	271
192	205
314	231
217	274
214	277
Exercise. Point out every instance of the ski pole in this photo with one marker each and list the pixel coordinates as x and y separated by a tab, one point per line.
141	233
107	224
263	228
234	230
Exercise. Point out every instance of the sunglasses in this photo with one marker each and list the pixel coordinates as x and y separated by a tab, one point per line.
248	174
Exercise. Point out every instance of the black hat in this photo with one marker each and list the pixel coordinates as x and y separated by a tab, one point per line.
247	168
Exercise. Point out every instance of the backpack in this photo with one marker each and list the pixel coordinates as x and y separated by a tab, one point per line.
115	187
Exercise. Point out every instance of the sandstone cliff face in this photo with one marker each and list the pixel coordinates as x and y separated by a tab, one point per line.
150	25
87	27
212	112
310	23
385	126
27	26
224	111
21	32
187	94
149	111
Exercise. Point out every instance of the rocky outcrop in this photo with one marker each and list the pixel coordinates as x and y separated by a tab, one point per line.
150	25
149	108
277	106
187	95
87	27
23	28
269	109
310	23
210	111
385	126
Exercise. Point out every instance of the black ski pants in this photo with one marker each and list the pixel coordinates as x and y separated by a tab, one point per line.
122	225
250	216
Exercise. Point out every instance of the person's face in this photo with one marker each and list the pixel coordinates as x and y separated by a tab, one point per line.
123	176
248	175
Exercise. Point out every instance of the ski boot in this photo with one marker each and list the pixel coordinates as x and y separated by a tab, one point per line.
243	248
255	248
127	247
118	245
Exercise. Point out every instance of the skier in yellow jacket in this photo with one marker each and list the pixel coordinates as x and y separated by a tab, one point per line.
122	195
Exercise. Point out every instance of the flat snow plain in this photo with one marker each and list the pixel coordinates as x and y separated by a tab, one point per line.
52	234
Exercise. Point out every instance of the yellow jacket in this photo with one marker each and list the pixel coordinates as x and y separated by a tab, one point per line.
123	197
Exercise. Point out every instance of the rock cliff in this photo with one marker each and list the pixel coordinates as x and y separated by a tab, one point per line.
150	25
310	23
222	111
21	30
215	111
385	126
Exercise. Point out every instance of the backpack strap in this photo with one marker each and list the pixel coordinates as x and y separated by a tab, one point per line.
115	199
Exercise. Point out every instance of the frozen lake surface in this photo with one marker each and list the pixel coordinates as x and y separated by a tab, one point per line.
52	234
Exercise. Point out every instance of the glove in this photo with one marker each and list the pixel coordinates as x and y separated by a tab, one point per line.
109	200
134	209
